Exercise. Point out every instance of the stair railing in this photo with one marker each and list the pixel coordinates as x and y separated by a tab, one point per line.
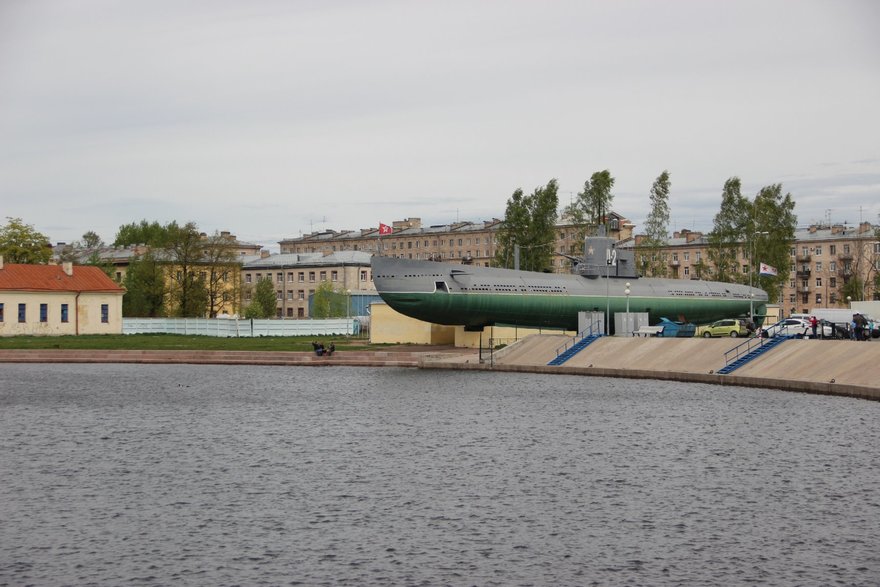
592	328
750	343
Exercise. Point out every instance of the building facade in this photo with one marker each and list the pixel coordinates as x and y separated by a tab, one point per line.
823	260
297	276
460	242
52	300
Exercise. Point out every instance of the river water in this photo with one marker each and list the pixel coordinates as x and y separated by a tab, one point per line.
212	475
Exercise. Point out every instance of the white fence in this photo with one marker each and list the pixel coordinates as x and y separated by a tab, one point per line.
227	327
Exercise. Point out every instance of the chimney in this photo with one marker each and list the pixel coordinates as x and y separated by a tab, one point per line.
67	266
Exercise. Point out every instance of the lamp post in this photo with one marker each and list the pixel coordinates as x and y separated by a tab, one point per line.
627	292
751	271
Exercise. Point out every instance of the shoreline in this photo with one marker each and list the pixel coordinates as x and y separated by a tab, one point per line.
850	370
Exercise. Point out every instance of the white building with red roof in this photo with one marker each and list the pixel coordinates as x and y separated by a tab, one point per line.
52	300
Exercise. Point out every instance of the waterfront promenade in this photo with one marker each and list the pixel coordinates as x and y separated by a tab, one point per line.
844	368
833	367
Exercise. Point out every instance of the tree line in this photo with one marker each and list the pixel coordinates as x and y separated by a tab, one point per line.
764	226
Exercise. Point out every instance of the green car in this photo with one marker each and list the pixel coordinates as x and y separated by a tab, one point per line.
729	327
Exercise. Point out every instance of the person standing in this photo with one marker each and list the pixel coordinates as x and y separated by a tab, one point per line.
814	324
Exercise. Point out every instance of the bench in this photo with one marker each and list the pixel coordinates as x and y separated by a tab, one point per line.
648	331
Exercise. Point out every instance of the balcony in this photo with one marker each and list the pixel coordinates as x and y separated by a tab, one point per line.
803	258
803	272
674	263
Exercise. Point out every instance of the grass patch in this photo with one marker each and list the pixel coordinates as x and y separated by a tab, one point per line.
162	342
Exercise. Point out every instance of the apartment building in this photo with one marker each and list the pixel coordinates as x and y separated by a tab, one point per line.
297	276
459	242
823	259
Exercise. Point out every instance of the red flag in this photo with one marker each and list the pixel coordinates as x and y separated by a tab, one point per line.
385	229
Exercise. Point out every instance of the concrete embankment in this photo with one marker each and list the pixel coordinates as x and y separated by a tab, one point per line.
831	367
390	358
844	368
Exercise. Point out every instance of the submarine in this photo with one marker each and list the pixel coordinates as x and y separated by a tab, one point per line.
476	297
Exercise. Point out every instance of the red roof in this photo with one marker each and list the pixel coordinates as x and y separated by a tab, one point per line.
17	277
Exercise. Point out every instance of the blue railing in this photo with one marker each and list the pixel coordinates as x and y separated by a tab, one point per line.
591	330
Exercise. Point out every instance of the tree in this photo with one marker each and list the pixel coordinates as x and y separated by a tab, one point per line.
590	209
729	232
773	227
146	233
329	302
91	240
530	224
222	269
22	243
263	304
652	261
145	288
188	278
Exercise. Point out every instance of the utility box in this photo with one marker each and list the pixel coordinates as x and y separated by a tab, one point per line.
627	323
596	319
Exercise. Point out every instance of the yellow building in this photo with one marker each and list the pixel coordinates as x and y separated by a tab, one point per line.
52	300
297	276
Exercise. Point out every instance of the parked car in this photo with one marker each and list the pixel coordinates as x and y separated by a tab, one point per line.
797	327
731	327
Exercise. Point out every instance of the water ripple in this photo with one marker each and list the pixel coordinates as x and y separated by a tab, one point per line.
207	475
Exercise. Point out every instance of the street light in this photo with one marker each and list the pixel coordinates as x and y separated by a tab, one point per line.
627	292
751	271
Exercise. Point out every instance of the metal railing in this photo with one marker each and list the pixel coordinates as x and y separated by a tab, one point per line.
594	327
750	344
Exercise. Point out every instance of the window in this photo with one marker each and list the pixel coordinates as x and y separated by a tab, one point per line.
290	294
1	312
279	295
818	282
44	312
301	295
311	277
745	269
290	277
818	298
846	249
832	249
805	252
818	249
22	312
301	277
832	266
687	270
323	276
247	277
818	266
699	253
687	256
105	313
279	278
832	282
334	275
363	275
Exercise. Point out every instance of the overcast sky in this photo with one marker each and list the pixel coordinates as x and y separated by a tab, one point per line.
275	118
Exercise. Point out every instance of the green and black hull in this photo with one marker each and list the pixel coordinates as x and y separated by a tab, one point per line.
474	297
